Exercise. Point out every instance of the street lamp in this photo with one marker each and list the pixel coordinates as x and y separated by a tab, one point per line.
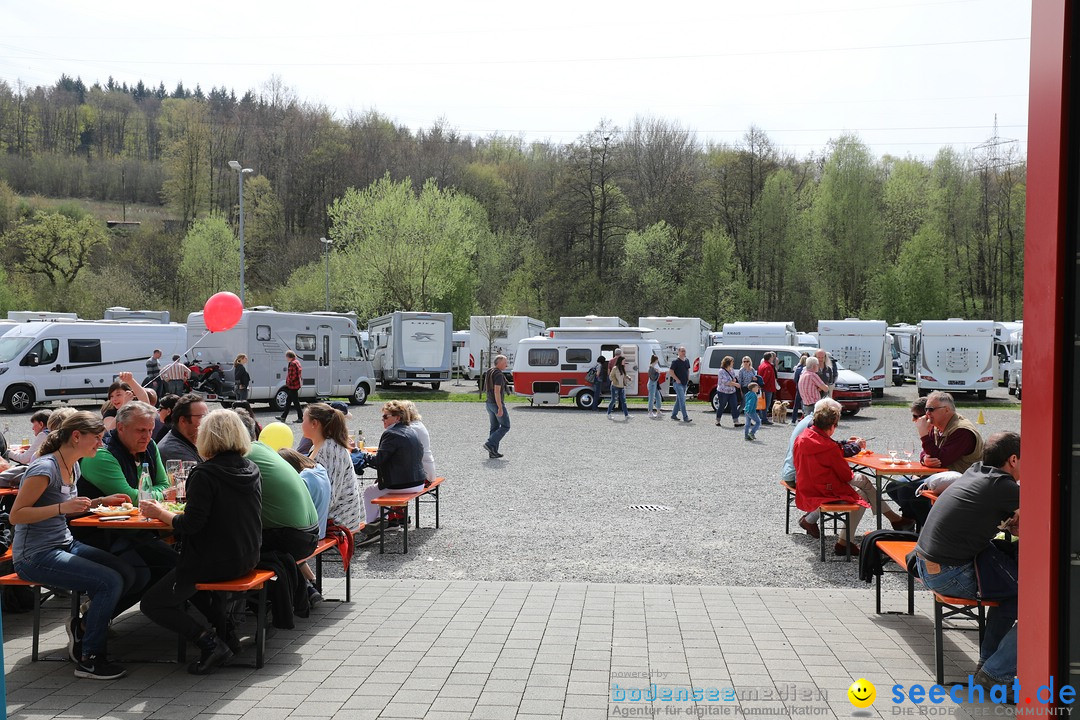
326	244
240	171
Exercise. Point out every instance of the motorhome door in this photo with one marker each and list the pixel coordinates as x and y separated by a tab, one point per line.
324	380
630	365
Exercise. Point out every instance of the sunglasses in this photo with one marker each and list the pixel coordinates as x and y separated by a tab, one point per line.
930	410
387	417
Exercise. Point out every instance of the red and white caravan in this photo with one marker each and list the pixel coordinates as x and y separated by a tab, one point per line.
549	368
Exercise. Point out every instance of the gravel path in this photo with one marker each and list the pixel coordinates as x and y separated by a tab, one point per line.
557	507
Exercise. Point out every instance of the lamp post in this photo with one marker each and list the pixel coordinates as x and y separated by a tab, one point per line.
240	172
326	246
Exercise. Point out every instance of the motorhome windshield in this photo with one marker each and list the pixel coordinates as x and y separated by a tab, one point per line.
12	347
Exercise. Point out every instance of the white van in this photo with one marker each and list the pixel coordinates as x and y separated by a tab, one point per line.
675	332
547	369
956	355
44	361
760	333
146	316
492	335
412	347
327	345
859	345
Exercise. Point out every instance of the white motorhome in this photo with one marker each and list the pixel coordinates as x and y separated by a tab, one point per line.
1005	344
412	347
1016	350
760	333
459	358
45	361
148	316
592	321
808	340
327	345
553	367
956	355
492	335
905	343
861	346
674	332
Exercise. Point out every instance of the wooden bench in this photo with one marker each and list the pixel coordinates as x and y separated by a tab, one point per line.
790	500
254	580
401	500
837	512
324	545
897	551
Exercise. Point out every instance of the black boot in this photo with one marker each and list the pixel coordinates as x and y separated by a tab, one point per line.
215	652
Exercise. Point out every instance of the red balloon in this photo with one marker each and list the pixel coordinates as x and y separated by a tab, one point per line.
222	311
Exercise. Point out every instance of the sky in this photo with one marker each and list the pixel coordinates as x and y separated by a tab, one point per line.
907	76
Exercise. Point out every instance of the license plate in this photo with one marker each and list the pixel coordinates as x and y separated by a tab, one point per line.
423	375
957	382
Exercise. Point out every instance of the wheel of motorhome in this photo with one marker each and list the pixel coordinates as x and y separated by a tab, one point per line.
278	401
359	395
586	400
436	385
20	398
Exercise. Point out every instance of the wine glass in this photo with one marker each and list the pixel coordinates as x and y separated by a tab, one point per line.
909	450
892	447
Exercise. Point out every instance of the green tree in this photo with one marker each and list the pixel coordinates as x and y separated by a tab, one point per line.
652	271
715	286
55	246
210	260
186	128
265	265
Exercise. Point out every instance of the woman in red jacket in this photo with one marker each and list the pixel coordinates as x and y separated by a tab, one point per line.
823	474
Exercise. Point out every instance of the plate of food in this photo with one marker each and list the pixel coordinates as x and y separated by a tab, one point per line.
175	507
122	509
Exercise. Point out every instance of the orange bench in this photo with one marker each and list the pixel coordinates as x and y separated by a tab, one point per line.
837	512
254	580
789	502
324	545
897	551
401	501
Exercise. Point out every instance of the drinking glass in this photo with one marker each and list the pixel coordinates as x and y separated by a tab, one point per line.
893	448
172	469
909	450
185	472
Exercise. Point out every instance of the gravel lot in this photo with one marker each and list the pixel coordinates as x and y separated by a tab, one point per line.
557	507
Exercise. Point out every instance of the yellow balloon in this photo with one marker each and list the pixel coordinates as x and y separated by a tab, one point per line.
277	435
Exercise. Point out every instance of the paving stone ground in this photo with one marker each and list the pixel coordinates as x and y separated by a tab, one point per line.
498	650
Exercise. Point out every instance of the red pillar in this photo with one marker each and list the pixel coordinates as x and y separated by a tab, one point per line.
1045	346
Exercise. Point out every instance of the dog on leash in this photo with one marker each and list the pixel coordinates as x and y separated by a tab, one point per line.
780	410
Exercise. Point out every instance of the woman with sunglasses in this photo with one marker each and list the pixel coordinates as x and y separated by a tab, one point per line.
400	463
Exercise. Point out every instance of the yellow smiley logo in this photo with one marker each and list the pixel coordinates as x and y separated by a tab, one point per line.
862	693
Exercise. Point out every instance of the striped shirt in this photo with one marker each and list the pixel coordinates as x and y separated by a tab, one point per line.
176	370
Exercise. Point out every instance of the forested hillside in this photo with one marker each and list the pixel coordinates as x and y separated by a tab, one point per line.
627	220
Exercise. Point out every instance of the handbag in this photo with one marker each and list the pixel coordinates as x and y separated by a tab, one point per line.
761	401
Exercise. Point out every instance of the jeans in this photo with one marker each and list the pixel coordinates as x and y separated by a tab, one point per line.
297	542
80	567
753	422
680	402
164	604
498	426
292	399
1002	664
960	581
598	393
764	414
656	397
618	395
727	401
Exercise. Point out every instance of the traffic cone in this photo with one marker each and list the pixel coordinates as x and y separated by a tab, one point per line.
981	420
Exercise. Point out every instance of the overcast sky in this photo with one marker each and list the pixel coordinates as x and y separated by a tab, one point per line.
907	76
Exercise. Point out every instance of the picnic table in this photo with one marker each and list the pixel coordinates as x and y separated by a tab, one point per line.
123	522
877	465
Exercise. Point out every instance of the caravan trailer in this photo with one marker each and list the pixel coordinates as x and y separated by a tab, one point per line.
675	332
905	342
43	361
327	345
459	358
553	367
592	321
412	347
859	345
492	335
760	333
956	356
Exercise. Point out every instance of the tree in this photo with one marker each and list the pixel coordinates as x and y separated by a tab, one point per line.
55	245
715	282
652	271
187	180
266	263
210	261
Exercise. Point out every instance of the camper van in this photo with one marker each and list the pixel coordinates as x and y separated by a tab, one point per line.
760	333
327	345
412	347
459	357
547	369
851	390
861	346
675	332
45	361
592	321
492	335
1005	343
956	356
146	316
905	342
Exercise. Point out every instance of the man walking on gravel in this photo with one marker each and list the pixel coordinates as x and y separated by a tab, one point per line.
680	368
498	413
